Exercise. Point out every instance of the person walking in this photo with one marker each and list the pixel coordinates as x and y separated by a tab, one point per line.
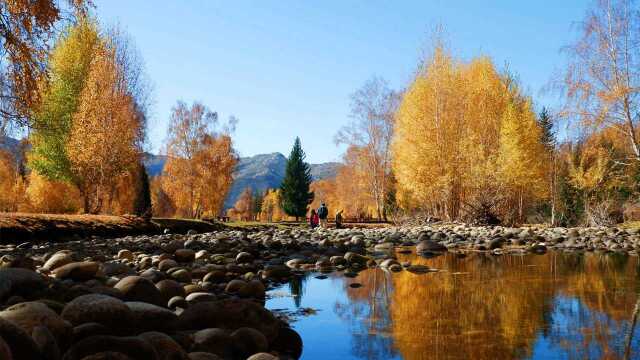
313	219
323	212
339	220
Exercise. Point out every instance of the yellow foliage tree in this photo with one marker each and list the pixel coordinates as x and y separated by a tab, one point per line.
448	135
325	192
520	164
198	173
98	156
243	208
12	185
161	203
54	197
271	209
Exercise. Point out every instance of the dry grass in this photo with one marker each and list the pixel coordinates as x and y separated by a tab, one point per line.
20	227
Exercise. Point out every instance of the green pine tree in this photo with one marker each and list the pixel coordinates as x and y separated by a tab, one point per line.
548	137
142	201
295	186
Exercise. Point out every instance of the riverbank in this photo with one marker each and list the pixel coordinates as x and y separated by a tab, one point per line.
187	294
20	227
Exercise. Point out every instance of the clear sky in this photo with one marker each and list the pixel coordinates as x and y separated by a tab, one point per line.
287	68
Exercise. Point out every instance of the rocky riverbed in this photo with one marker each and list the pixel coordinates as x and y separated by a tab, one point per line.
201	296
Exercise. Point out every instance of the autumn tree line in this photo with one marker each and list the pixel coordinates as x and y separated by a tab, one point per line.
463	141
83	98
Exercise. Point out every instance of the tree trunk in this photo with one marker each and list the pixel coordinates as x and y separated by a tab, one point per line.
553	190
520	205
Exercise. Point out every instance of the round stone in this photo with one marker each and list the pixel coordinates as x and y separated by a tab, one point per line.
78	271
165	346
20	282
133	347
248	341
170	288
214	340
125	254
58	259
230	314
95	308
253	289
167	264
149	317
184	255
20	344
234	286
244	257
136	288
177	302
29	315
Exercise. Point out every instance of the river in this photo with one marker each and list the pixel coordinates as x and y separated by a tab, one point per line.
479	306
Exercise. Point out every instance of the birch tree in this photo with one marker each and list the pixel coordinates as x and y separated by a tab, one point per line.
602	81
372	111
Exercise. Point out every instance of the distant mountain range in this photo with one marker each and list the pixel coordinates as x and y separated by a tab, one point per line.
9	144
259	172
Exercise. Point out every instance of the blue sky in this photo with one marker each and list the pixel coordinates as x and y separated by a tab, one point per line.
287	68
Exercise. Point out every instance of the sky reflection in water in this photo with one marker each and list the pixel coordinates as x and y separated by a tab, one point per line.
553	306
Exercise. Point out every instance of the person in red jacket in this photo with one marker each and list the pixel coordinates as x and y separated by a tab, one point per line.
314	220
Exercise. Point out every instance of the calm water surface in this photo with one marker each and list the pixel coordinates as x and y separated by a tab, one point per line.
553	306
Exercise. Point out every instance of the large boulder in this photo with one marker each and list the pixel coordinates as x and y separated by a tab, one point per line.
288	343
230	314
21	282
20	344
95	308
29	315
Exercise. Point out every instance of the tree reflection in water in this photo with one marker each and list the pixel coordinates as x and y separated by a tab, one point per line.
296	288
495	307
368	314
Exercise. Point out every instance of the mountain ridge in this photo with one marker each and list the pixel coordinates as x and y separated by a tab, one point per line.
258	172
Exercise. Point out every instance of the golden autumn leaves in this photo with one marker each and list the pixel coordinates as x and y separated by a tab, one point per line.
88	127
462	135
200	164
104	140
87	131
463	131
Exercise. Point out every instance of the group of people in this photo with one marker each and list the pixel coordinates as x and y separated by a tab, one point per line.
319	217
